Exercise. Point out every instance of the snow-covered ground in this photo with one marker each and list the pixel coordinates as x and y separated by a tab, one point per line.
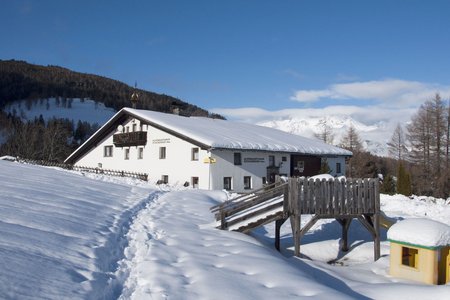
70	235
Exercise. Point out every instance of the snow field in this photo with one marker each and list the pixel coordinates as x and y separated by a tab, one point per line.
67	235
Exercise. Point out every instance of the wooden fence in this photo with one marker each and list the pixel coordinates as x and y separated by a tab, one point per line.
119	173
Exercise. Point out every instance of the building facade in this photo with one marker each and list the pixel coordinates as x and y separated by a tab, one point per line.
203	153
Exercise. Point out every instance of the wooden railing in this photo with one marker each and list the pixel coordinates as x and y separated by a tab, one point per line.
253	209
334	197
135	138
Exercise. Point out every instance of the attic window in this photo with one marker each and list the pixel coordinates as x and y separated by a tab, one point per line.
409	257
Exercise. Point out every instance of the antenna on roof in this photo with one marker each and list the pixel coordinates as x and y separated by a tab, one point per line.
134	96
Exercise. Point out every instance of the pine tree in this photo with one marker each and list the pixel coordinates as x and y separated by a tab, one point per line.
388	186
403	181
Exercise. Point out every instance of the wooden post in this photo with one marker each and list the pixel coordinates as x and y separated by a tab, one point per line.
376	221
345	223
278	224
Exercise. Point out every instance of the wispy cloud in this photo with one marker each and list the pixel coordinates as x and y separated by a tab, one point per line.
388	92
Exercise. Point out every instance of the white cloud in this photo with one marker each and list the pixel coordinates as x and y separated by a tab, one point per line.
388	92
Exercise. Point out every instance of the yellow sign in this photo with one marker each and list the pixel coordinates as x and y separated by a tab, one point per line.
209	160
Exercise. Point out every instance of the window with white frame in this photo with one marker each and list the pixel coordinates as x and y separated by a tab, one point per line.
247	182
108	151
227	183
140	153
162	152
127	153
134	127
194	154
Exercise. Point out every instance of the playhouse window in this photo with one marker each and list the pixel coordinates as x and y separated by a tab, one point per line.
338	168
409	257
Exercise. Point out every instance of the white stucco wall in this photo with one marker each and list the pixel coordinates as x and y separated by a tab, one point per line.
254	164
177	165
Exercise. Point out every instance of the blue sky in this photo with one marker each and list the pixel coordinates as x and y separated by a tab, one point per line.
234	56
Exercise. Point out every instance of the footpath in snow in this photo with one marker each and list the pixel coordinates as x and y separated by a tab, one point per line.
61	234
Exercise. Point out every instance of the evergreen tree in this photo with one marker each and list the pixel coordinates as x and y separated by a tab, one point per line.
388	186
403	181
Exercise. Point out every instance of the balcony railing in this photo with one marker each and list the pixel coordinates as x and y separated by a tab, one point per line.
136	138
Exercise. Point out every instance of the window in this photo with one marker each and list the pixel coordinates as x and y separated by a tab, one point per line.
162	152
237	158
127	129
127	153
227	183
271	160
283	158
165	179
134	127
140	153
338	168
194	182
247	182
409	257
264	180
194	154
108	151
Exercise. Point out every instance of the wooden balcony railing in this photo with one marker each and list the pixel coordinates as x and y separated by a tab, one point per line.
136	138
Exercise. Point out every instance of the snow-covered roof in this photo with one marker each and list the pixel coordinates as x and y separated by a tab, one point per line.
218	133
420	232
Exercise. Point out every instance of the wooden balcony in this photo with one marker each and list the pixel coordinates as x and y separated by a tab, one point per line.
136	138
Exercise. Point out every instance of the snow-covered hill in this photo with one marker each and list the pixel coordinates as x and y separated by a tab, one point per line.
86	110
67	235
374	137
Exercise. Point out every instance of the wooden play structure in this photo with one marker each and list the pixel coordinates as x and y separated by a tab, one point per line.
340	199
420	251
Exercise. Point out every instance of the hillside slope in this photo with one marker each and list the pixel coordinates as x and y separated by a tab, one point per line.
20	80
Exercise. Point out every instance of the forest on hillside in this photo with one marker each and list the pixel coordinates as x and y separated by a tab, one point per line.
20	80
53	140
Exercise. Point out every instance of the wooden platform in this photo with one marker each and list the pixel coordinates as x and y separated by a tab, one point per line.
343	200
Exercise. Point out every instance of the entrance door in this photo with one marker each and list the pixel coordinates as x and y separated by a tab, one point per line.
304	165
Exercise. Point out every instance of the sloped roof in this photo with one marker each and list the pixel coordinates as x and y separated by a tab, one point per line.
216	133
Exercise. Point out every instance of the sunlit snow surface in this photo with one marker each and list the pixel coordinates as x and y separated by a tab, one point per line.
68	235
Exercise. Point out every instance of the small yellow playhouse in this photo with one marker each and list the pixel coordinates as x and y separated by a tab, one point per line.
420	251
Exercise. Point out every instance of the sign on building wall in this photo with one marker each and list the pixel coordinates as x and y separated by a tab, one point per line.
254	159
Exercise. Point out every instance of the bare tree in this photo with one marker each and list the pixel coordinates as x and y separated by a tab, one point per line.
397	144
351	140
326	132
427	134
